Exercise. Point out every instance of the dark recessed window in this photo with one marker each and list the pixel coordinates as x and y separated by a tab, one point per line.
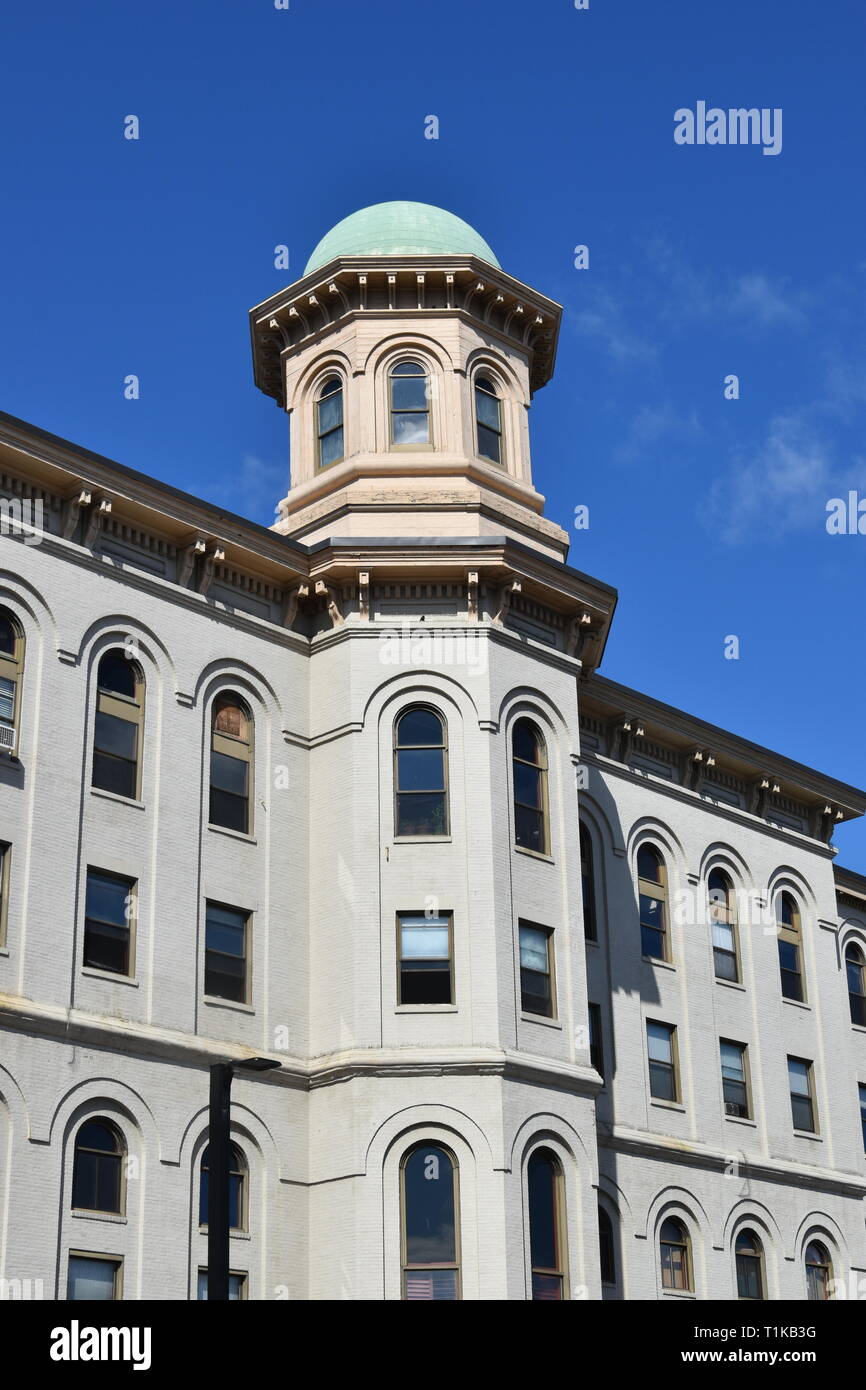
430	1246
819	1272
856	973
237	1189
329	422
231	763
420	774
11	667
790	947
724	926
93	1279
529	766
596	1049
675	1256
587	878
662	1052
653	899
536	970
750	1266
226	949
546	1226
109	913
488	420
862	1093
606	1247
424	945
98	1168
237	1286
119	716
735	1085
802	1094
410	406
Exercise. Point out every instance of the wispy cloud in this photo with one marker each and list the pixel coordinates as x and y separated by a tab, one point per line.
654	423
605	319
781	485
253	489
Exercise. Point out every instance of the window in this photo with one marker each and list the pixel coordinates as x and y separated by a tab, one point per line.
536	970
237	1286
424	959
819	1272
237	1189
676	1256
529	760
225	954
410	406
420	774
98	1168
723	918
856	984
93	1278
802	1095
329	422
862	1092
606	1247
596	1047
430	1245
735	1080
231	762
488	420
587	876
108	917
119	716
653	897
5	862
790	951
662	1052
749	1254
11	667
546	1226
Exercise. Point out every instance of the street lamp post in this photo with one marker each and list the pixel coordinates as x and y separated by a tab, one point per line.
219	1147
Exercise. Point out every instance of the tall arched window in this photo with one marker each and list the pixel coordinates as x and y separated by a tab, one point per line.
11	667
420	773
488	420
587	879
231	763
97	1173
329	422
724	922
749	1254
790	946
430	1254
653	898
856	972
238	1195
119	717
606	1247
410	406
529	768
546	1226
819	1271
675	1254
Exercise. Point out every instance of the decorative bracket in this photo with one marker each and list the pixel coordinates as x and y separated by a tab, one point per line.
472	595
186	560
214	555
506	594
99	511
364	595
74	505
290	605
335	613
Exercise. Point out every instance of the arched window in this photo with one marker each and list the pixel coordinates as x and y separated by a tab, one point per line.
238	1196
329	422
119	716
231	763
587	878
529	767
653	897
546	1226
675	1254
420	773
819	1271
790	946
606	1247
749	1254
97	1173
488	420
11	666
410	406
430	1243
724	922
856	972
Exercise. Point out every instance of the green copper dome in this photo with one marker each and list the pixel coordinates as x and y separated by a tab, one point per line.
400	229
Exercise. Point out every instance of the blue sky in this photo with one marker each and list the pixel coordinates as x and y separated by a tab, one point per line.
261	127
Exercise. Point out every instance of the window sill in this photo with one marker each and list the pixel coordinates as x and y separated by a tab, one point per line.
730	984
215	1002
797	1004
657	961
590	941
132	801
423	840
688	1295
115	976
859	1027
668	1104
112	1217
541	1020
233	834
740	1120
534	854
4	951
233	1235
426	1009
809	1134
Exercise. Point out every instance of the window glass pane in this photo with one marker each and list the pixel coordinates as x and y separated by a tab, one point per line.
542	1212
409	393
236	1283
420	769
421	813
428	1179
107	898
7	700
649	864
528	789
117	674
229	774
411	429
422	939
535	997
659	1042
331	447
419	726
488	444
529	829
487	409
533	948
798	1075
723	936
733	1064
525	742
116	736
330	413
7	636
863	1113
90	1279
438	1284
